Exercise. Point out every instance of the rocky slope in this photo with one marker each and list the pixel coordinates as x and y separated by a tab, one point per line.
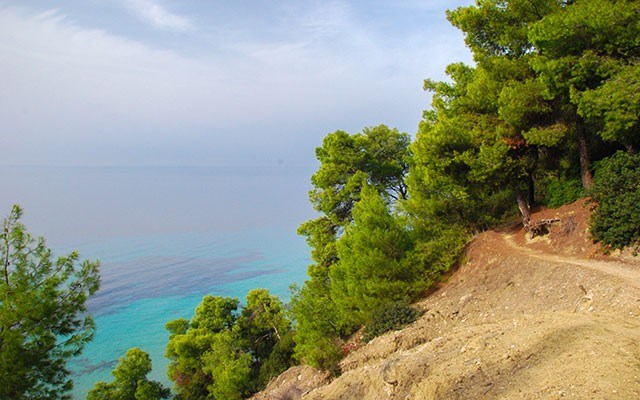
548	318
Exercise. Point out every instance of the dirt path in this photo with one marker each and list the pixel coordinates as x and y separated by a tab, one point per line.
614	268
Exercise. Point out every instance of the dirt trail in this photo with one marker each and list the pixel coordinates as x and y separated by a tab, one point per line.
549	318
611	267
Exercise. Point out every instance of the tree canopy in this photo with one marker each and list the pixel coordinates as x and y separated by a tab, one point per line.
43	320
552	80
228	353
130	381
374	161
376	156
373	268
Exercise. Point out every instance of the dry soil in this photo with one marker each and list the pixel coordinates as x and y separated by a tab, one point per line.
544	318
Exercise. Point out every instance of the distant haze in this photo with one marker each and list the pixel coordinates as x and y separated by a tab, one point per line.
71	205
166	82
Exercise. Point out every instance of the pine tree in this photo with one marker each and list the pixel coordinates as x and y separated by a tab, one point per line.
43	320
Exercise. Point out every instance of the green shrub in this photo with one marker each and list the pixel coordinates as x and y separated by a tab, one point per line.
278	361
561	191
615	221
392	316
317	337
325	355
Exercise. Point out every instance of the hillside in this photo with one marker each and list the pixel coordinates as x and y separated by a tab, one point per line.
548	318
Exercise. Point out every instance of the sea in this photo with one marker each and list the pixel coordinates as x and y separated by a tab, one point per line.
165	237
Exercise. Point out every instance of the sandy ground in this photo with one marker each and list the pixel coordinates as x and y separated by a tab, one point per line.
548	318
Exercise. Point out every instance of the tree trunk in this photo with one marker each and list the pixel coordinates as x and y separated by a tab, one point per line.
585	173
532	190
525	210
531	177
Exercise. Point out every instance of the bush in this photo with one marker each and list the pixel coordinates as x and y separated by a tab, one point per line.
317	337
615	221
439	250
325	355
392	316
561	191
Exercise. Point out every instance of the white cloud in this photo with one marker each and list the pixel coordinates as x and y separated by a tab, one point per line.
66	86
326	19
158	16
77	95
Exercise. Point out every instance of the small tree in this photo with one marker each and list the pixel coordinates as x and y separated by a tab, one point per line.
390	316
373	268
131	381
42	314
229	353
189	341
264	331
378	158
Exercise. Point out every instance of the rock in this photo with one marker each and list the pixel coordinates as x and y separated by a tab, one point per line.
388	372
465	299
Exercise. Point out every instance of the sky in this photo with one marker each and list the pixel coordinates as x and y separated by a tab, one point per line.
211	82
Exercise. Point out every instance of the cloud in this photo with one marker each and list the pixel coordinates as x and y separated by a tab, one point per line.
69	87
158	16
326	19
75	95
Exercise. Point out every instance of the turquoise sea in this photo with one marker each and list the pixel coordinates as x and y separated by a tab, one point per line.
165	236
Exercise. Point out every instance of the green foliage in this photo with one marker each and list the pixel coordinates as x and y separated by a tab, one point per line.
469	153
130	381
43	320
615	221
151	390
317	329
561	191
312	306
499	28
549	136
263	329
226	353
214	314
373	268
390	316
189	342
608	26
321	236
438	248
615	103
522	104
325	354
377	156
177	327
588	57
229	365
378	259
550	79
279	359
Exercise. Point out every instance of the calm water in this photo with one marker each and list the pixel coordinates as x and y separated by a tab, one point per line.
165	237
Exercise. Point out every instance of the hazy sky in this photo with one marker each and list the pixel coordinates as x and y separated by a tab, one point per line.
211	82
